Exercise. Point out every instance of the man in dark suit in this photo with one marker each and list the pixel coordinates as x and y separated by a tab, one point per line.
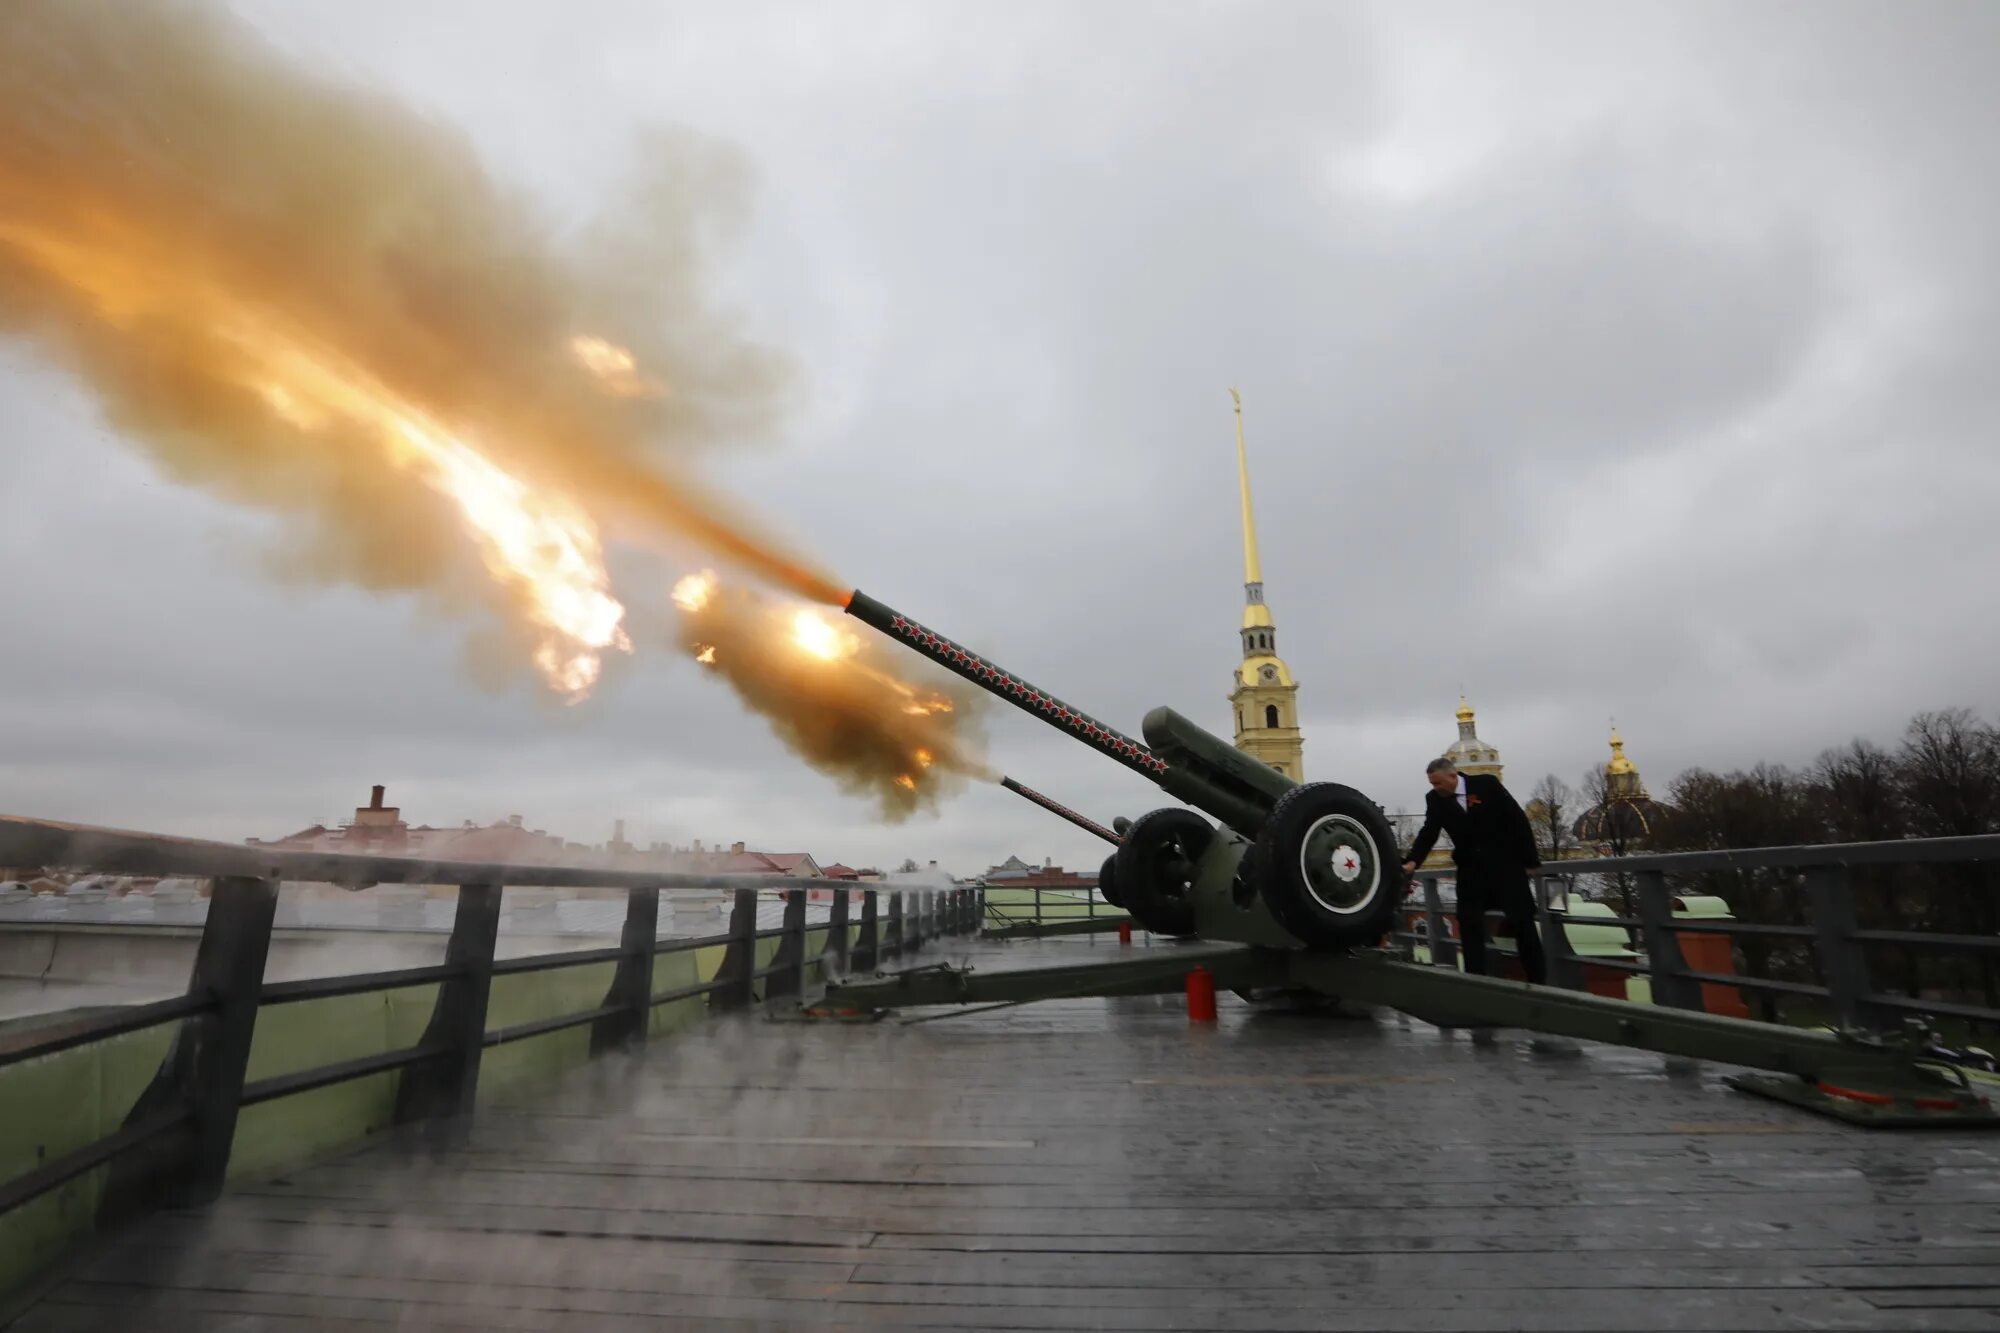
1494	848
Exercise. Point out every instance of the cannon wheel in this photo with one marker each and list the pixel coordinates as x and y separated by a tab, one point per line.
1107	881
1325	865
1155	867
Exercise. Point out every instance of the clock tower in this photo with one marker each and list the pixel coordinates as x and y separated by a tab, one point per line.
1263	696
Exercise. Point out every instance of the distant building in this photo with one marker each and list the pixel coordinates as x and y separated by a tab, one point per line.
1468	753
740	860
1014	873
378	829
1627	815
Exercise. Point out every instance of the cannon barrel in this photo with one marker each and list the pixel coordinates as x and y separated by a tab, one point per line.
1295	863
1084	822
1005	684
1194	766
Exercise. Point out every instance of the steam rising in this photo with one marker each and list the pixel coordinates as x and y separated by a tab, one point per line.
308	298
837	697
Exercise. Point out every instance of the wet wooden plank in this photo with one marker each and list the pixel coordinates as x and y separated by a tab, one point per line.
1103	1164
1633	1312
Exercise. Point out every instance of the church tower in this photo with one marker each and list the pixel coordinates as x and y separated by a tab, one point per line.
1621	776
1468	753
1263	696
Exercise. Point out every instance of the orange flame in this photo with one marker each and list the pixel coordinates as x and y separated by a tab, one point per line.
541	546
615	368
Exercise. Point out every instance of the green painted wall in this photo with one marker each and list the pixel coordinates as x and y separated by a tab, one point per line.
56	1105
63	1102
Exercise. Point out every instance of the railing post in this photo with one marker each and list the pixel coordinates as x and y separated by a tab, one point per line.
739	961
868	948
442	1090
1565	969
228	963
913	921
1444	949
1670	982
632	986
895	941
1831	892
836	932
788	969
979	907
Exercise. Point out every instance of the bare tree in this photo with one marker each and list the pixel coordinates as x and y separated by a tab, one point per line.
1550	809
1766	806
1859	794
1949	771
1609	828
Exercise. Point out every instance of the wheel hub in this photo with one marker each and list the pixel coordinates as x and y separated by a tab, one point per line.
1339	863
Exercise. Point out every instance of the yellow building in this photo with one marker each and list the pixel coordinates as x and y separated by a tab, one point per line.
1263	697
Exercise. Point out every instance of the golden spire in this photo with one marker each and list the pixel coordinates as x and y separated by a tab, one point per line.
1255	613
1464	709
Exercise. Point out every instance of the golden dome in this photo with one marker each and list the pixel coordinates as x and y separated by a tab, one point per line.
1619	765
1464	710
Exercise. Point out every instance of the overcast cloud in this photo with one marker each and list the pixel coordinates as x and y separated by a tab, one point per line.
1596	360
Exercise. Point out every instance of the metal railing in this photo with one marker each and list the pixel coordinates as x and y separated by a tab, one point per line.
1839	946
178	1137
1045	908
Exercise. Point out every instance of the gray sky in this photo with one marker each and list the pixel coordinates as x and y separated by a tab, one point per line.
1599	360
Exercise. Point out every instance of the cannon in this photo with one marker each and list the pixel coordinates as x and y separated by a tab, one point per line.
1106	882
1054	807
1294	886
1286	864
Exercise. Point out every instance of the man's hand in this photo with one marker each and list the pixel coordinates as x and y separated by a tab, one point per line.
1409	867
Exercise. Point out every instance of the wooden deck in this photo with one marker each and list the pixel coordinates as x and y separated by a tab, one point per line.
1095	1164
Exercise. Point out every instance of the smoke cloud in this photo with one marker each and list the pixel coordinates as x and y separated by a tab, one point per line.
306	297
879	720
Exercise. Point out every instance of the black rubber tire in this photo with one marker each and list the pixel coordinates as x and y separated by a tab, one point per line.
1155	867
1107	881
1345	826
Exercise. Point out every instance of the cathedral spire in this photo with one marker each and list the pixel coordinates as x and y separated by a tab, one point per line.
1253	568
1264	697
1256	615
